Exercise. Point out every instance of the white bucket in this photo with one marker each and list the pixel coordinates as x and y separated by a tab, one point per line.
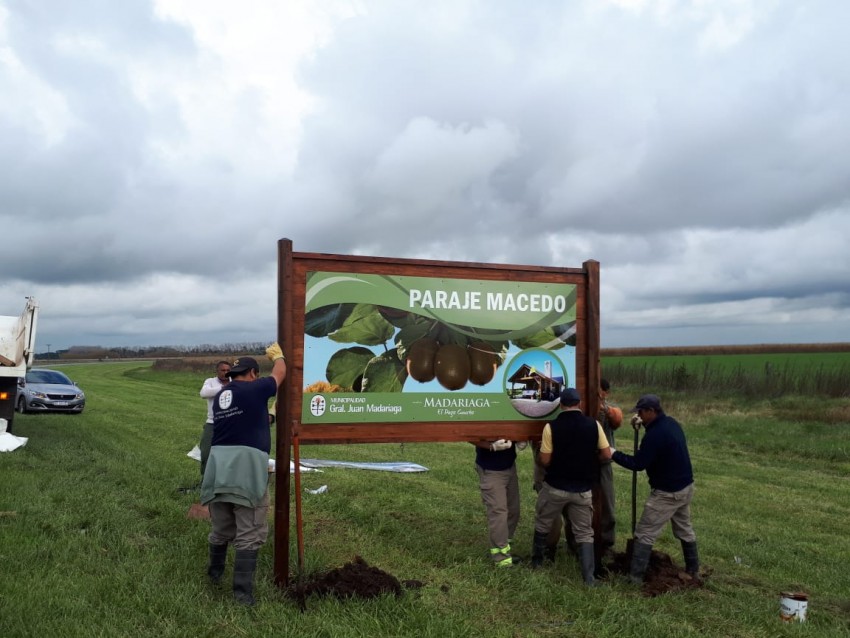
793	606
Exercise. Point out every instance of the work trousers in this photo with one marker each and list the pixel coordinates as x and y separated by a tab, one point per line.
500	495
539	476
551	502
206	444
607	515
245	527
661	507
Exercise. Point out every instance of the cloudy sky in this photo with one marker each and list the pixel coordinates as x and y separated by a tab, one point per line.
152	152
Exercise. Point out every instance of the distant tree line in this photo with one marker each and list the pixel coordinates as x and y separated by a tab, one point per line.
100	353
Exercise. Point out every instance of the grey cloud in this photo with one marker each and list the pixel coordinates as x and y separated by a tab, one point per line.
699	153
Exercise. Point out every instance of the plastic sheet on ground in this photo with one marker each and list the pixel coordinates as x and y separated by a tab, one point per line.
10	442
195	453
291	467
390	466
311	465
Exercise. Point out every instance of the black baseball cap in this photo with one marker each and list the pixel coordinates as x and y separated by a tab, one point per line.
570	396
242	365
648	402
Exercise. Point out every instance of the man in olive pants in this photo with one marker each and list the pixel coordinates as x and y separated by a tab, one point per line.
495	462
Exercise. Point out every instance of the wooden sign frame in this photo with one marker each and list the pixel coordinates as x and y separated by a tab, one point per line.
292	277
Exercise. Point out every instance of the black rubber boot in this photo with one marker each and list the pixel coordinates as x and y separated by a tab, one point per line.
689	551
587	562
640	561
538	549
218	558
243	576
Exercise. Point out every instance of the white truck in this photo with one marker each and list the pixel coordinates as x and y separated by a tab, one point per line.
17	349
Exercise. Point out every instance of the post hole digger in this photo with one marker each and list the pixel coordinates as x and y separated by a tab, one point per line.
636	423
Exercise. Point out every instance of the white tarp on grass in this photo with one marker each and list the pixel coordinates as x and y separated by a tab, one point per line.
391	466
195	453
312	465
9	442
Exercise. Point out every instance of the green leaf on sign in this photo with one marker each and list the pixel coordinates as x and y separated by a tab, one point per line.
406	337
546	338
400	318
323	321
346	365
364	325
566	332
384	373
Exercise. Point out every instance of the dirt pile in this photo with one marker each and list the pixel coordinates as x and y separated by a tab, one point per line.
662	575
356	579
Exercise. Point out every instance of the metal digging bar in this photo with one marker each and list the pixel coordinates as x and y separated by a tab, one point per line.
634	484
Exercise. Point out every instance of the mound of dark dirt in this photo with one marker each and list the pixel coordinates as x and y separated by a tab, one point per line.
356	579
662	575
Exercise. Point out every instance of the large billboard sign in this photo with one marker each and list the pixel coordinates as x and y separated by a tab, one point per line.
380	348
383	350
386	350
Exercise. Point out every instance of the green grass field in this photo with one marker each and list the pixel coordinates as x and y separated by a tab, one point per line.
95	539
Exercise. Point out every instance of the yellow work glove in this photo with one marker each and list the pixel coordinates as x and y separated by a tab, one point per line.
273	352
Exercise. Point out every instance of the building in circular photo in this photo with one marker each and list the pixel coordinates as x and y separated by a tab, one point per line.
533	383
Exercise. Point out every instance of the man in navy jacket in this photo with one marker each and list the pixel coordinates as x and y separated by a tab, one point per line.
664	455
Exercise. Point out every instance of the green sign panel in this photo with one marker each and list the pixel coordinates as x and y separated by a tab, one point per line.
382	348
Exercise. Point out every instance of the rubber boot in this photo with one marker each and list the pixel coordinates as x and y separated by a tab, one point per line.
243	576
539	549
640	561
689	551
218	558
502	556
516	560
587	562
553	539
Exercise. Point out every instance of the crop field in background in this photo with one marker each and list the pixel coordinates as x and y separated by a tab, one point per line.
95	540
763	374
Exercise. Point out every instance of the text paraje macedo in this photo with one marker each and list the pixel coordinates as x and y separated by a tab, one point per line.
491	301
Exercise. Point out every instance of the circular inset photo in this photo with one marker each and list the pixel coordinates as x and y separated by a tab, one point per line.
533	382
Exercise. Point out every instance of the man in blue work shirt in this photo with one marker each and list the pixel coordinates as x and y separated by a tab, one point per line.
664	455
235	485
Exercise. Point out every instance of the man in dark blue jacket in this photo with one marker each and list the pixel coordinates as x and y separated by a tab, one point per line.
664	455
235	485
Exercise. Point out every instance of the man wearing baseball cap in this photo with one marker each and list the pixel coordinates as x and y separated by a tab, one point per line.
663	453
235	485
572	446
